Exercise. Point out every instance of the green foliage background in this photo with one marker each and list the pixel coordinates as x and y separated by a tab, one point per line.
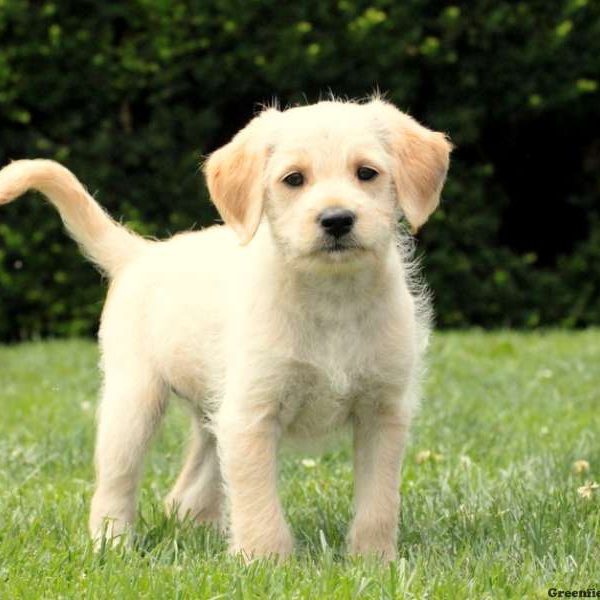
129	95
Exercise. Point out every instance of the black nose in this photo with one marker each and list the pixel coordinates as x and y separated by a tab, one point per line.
337	221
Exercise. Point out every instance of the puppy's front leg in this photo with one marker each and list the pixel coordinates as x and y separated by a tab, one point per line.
248	451
379	440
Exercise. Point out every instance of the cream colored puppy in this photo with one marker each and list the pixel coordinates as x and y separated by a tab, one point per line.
293	320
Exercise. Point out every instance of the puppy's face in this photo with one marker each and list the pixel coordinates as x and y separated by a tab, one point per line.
329	188
331	178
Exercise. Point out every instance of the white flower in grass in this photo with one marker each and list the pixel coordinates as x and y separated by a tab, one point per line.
428	456
586	491
423	456
309	463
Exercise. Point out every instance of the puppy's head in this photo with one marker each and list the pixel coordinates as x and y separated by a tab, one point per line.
331	178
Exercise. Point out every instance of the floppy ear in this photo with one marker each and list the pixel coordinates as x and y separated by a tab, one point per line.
420	157
235	177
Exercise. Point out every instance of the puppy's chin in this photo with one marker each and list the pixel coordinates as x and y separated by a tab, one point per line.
335	257
338	254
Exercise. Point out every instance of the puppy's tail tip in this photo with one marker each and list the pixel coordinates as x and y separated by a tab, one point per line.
13	181
104	241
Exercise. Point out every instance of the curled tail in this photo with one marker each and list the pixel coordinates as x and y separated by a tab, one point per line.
102	239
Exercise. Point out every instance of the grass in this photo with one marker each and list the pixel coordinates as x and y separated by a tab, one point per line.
492	512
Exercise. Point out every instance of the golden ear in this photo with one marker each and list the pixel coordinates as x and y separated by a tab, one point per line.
421	158
235	177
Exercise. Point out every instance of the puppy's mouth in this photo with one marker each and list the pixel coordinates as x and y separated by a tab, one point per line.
336	246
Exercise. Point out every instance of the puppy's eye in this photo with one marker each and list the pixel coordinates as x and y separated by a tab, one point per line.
366	173
294	179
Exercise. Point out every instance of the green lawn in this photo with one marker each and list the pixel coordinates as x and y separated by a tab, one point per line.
494	511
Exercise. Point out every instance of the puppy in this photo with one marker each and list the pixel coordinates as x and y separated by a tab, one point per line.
294	319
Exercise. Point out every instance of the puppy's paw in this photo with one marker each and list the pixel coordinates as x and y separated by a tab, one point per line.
275	545
111	533
377	540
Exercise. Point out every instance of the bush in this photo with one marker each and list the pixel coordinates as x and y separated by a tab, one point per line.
129	96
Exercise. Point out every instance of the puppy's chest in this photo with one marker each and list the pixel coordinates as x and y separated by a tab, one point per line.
325	385
315	402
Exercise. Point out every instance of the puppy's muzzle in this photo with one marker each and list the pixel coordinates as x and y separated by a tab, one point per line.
337	222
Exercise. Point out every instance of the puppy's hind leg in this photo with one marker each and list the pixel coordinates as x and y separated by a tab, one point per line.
132	405
198	492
